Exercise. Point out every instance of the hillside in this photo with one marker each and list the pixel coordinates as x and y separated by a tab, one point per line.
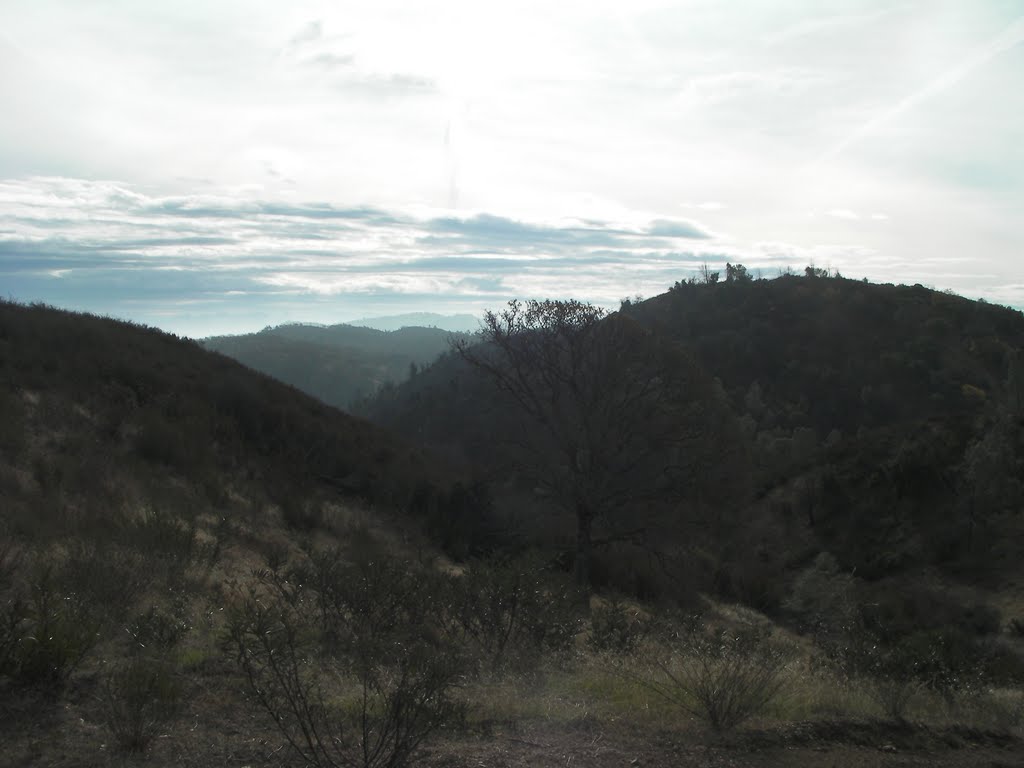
888	419
201	566
133	401
338	364
143	482
883	424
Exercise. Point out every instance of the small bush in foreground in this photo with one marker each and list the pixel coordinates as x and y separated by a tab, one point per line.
137	699
508	613
724	676
349	679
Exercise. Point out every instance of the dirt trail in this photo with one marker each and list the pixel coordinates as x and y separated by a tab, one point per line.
819	745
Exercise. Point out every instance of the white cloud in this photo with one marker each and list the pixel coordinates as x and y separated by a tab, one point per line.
710	205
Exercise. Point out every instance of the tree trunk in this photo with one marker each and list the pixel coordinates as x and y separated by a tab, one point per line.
584	519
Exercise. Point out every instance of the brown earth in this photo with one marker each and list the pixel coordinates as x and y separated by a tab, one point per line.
217	727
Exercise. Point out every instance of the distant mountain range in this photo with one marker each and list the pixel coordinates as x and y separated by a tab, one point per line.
339	364
458	323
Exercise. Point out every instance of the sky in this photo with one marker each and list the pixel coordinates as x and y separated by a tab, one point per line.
216	167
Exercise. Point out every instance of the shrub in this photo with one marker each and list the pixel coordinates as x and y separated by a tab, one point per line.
137	699
723	676
823	596
13	610
12	633
358	602
59	629
157	631
616	629
342	663
164	538
160	442
891	613
460	519
109	578
509	614
13	435
949	662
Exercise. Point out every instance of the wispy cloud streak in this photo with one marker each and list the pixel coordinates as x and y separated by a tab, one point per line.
1010	37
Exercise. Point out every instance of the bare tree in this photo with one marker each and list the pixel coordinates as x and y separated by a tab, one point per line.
616	421
707	276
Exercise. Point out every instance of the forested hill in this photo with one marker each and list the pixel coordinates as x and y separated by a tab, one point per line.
888	418
830	353
339	364
884	423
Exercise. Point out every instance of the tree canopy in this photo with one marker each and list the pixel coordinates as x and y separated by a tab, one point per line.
616	421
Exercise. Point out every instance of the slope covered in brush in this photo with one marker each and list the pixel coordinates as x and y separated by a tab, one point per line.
101	418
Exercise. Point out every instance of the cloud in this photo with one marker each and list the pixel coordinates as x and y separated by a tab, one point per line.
843	213
111	248
676	228
823	26
313	30
723	87
107	245
201	207
849	215
710	205
385	83
332	60
333	57
490	232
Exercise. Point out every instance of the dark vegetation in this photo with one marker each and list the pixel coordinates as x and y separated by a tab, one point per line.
608	422
881	424
766	505
339	364
874	412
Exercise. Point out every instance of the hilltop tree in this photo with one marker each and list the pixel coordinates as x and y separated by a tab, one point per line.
737	273
616	422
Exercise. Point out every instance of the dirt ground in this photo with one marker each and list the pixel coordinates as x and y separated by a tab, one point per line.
803	745
219	730
821	744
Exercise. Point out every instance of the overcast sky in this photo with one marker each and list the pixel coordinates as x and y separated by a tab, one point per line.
212	167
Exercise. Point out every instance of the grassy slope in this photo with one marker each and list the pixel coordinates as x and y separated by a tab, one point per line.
142	478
